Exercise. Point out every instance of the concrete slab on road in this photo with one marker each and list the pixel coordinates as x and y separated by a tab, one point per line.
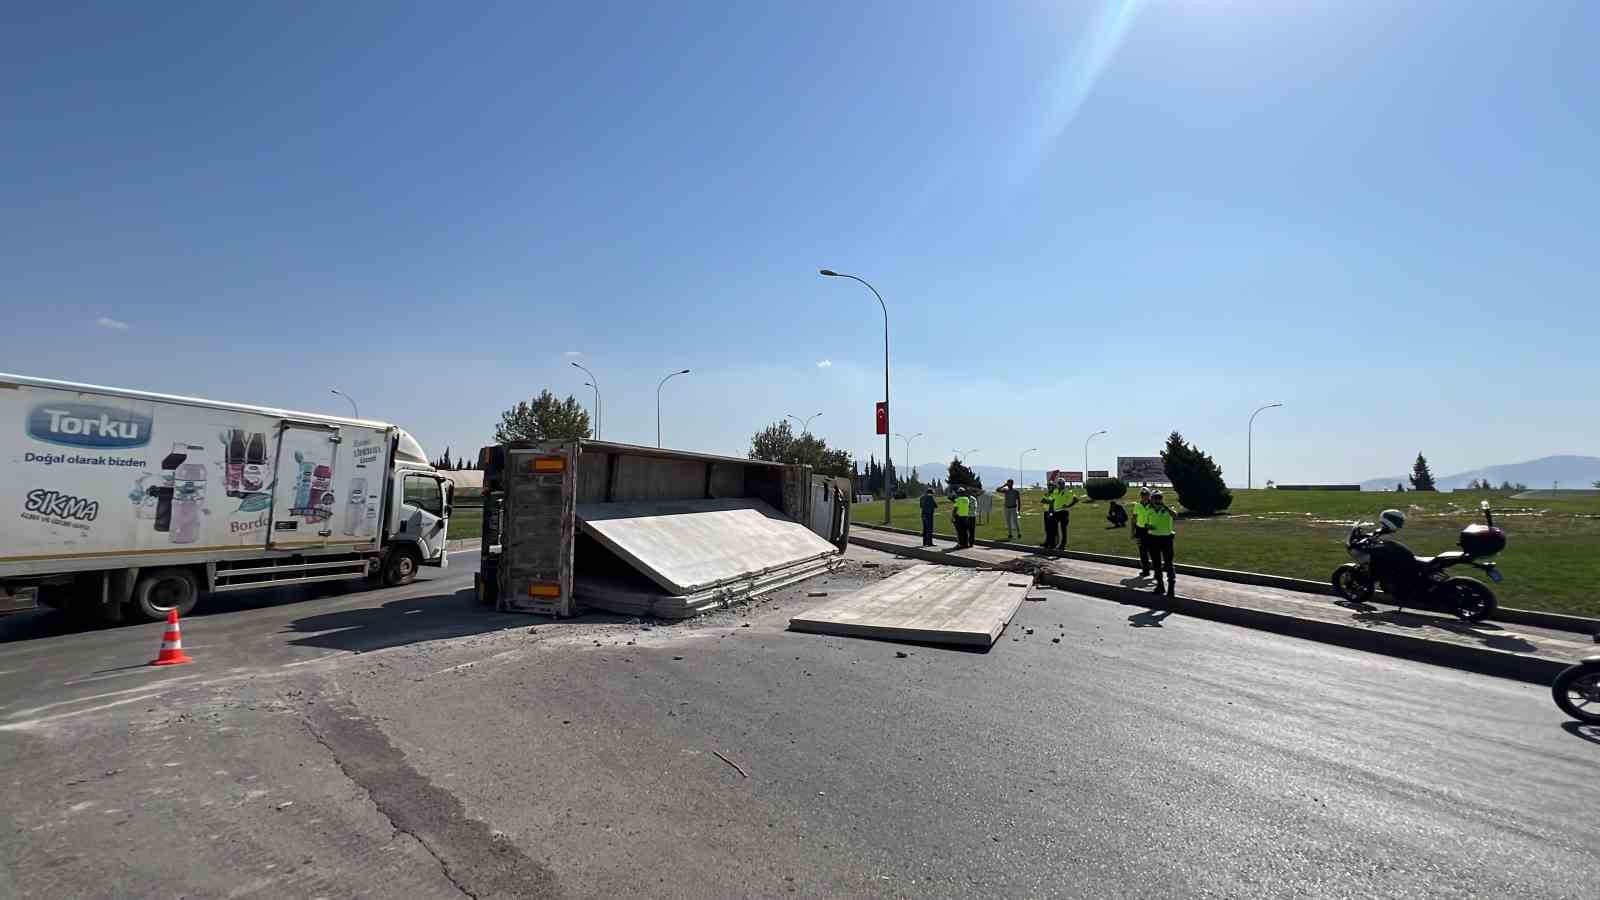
686	546
1526	653
926	603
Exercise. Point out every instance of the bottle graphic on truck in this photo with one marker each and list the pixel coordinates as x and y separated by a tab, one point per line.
302	485
233	474
253	475
355	507
188	495
164	493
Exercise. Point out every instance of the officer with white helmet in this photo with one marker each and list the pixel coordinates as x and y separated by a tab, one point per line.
1161	533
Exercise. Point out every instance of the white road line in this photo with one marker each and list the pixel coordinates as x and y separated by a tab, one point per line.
27	724
93	697
129	670
316	659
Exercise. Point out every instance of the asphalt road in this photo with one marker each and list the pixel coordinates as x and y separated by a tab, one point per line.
406	743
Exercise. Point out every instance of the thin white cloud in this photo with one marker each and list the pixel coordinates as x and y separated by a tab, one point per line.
573	354
115	324
825	364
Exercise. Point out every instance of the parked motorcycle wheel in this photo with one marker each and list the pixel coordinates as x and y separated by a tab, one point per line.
1352	583
1577	692
1468	598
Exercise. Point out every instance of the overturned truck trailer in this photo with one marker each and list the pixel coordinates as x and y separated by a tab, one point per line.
569	525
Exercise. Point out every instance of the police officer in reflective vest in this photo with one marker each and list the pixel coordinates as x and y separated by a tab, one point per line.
1160	521
1056	504
1141	530
965	519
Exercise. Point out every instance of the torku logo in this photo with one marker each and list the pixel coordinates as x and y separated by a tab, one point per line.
89	425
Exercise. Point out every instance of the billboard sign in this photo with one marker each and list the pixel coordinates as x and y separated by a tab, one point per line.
1142	469
1099	473
1070	476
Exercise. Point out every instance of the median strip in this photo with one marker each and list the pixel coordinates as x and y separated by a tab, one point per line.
1526	655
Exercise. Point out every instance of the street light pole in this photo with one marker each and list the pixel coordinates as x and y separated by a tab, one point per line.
594	383
805	424
1249	446
590	384
1086	454
888	496
658	401
354	409
1020	457
908	441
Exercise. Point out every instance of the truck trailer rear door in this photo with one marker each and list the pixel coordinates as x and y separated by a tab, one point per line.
540	526
303	478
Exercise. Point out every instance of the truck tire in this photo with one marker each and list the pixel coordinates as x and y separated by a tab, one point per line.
400	566
161	590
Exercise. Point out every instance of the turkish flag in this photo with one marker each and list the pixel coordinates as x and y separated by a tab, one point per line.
883	418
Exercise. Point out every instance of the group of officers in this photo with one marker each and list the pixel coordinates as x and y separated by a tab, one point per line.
1154	525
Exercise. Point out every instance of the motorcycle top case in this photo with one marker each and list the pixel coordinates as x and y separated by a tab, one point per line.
1482	540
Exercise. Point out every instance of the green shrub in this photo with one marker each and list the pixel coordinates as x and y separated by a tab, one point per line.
1105	488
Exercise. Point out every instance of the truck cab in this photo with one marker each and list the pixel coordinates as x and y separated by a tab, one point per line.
417	514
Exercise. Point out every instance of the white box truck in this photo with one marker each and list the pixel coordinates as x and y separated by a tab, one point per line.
127	504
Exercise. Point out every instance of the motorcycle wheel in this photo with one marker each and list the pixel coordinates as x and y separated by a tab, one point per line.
1352	583
1468	598
1577	692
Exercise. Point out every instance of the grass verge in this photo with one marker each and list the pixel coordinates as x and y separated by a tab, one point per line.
1550	562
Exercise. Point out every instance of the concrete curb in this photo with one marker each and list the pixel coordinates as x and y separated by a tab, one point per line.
462	544
1485	660
1576	624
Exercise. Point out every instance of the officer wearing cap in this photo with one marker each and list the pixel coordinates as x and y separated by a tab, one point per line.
1056	504
965	518
1141	530
1161	525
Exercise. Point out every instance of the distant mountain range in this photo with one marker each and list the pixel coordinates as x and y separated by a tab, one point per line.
991	475
1567	471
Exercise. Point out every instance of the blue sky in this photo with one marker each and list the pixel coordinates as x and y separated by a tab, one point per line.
1083	215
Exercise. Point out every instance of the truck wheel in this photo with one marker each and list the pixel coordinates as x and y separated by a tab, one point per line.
400	567
162	590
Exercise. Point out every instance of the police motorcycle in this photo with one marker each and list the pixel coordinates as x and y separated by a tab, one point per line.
1422	581
1577	691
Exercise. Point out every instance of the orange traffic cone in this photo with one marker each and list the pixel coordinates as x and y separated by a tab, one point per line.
171	644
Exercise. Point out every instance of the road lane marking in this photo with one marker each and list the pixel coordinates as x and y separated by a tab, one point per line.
315	659
93	697
28	724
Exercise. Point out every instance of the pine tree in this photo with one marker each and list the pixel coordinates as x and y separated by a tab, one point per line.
1196	477
1421	478
960	476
